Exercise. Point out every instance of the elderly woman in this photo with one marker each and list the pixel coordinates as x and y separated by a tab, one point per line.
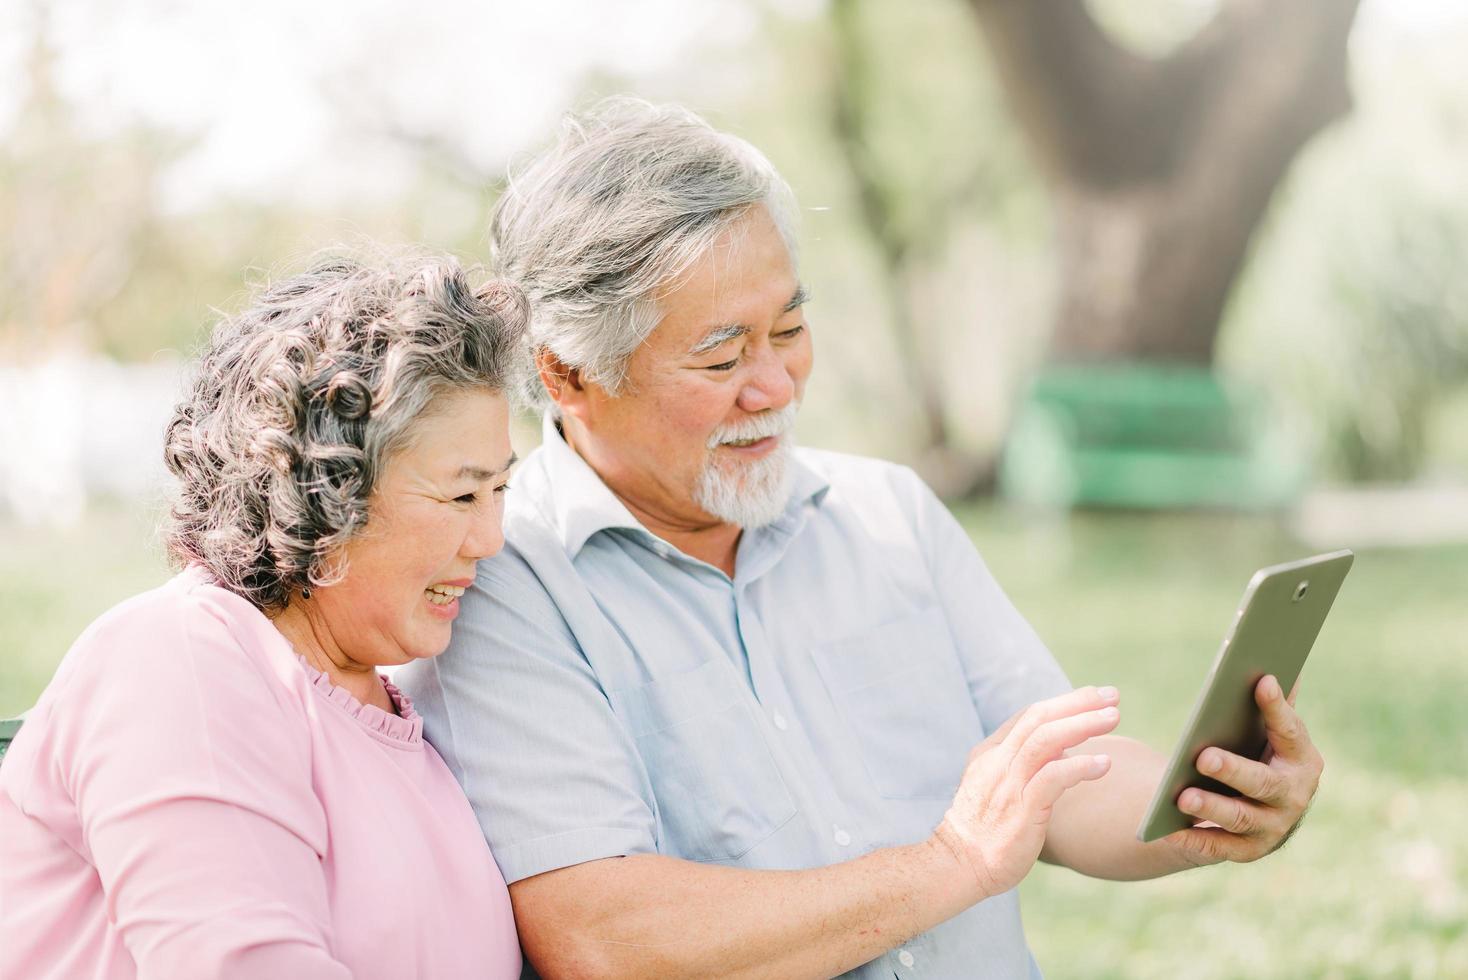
219	782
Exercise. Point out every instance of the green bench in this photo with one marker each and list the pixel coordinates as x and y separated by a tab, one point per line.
8	728
1150	436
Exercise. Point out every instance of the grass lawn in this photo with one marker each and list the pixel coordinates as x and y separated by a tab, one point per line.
1375	885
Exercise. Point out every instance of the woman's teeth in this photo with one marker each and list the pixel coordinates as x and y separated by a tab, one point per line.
442	595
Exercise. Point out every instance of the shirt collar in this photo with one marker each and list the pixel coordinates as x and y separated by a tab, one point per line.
581	504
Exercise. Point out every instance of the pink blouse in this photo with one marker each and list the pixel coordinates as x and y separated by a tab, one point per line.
189	799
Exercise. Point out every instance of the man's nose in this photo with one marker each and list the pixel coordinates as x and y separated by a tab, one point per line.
769	385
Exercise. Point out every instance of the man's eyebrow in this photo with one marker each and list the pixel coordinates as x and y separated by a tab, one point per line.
480	474
799	299
717	336
726	333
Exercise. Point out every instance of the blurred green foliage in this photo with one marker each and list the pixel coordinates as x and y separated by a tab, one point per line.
1354	310
1410	335
93	258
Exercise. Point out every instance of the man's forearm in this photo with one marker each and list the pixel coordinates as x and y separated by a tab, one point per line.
1094	827
648	915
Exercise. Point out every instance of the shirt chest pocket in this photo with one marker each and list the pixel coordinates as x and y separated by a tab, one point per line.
900	689
719	791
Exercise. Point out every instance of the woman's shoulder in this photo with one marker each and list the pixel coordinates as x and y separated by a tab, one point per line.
170	695
191	604
188	635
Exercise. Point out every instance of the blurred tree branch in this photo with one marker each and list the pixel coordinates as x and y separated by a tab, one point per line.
851	100
79	216
358	96
901	249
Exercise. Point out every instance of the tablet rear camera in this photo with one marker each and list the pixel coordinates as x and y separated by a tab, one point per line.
1300	590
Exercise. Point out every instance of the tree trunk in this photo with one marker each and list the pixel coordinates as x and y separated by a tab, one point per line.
1161	169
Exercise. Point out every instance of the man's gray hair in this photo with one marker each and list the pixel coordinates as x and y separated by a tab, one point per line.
624	203
303	396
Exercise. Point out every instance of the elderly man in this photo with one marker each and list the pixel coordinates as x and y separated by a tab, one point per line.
725	707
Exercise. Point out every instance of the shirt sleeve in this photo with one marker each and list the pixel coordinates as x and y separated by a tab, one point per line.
1007	665
192	781
516	711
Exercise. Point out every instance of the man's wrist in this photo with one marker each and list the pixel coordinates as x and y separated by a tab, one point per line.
949	854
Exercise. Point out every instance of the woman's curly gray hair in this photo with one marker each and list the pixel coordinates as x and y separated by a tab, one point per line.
301	398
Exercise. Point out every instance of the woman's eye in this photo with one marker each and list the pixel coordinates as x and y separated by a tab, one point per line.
466	498
502	488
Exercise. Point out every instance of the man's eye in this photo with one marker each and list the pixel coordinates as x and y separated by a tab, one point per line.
790	334
466	498
726	366
502	488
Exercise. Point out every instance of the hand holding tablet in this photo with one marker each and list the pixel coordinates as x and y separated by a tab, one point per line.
1243	723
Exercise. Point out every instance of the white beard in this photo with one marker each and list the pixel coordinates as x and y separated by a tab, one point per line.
751	494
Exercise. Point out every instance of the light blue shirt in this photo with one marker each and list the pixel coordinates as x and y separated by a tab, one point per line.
605	694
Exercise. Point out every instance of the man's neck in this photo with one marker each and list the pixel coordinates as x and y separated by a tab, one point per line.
717	544
712	541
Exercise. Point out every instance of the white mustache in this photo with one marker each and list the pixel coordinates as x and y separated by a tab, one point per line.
769	423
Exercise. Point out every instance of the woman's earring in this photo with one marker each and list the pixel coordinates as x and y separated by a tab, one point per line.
306	592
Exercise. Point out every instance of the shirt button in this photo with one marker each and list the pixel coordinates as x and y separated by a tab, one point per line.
842	837
780	721
905	958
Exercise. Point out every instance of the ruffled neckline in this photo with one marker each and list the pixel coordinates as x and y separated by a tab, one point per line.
405	727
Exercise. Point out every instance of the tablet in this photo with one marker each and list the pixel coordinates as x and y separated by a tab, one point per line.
1280	615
